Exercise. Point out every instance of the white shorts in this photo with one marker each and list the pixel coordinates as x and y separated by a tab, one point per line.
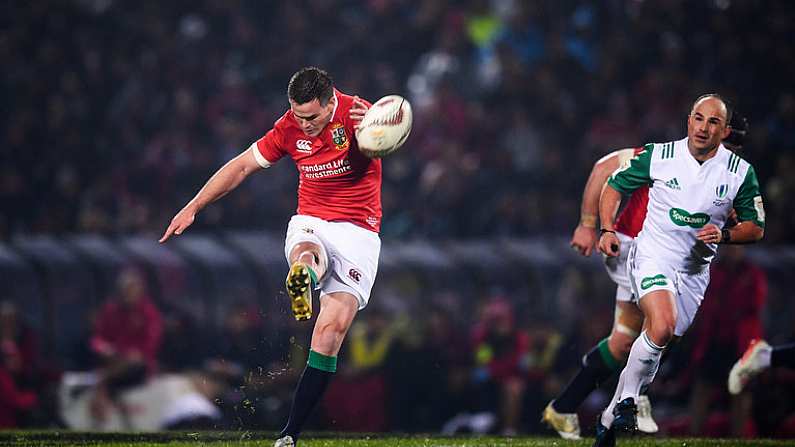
647	275
616	267
352	254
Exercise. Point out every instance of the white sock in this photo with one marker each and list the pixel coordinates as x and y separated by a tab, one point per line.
642	365
607	414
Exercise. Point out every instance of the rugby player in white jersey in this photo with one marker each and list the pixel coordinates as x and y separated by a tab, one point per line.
607	357
694	184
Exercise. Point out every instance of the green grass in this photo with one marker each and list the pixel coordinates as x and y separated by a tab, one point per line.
259	439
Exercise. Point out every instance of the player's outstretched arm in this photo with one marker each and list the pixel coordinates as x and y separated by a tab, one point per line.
224	180
608	206
585	238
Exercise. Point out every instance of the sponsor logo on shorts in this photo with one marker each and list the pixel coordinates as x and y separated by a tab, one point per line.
656	280
308	230
355	275
684	218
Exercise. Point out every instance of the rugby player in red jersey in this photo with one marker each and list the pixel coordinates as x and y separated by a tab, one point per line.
608	356
332	242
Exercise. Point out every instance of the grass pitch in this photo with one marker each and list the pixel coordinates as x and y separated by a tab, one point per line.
259	439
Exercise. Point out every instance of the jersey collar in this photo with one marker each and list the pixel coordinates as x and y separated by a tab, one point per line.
336	105
719	153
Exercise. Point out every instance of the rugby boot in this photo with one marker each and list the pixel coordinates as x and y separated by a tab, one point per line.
605	437
626	416
749	365
566	424
299	289
284	441
646	423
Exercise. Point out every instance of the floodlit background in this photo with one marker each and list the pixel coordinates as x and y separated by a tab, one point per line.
116	112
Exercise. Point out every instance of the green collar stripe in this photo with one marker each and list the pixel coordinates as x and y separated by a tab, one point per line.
322	362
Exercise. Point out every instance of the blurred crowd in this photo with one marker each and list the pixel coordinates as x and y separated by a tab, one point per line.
117	112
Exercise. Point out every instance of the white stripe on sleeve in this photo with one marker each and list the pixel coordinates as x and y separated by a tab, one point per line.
257	156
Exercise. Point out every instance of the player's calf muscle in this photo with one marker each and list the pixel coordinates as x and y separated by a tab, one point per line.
328	336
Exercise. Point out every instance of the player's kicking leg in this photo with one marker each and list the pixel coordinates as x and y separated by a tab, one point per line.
307	264
337	311
598	365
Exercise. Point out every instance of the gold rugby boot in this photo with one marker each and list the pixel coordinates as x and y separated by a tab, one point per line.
566	424
299	289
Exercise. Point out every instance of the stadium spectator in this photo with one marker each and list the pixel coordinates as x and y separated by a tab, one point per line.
501	353
127	338
18	368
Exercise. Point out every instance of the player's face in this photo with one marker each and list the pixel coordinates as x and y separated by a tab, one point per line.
311	116
706	125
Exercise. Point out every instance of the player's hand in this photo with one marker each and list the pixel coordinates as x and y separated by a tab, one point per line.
709	234
584	240
179	223
609	244
358	110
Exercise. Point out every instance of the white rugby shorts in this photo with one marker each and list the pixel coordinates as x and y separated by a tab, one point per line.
647	275
352	254
616	267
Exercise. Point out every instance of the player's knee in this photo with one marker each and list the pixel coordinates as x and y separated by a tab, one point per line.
306	249
661	331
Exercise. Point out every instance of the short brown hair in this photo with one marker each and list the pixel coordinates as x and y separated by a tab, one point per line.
309	83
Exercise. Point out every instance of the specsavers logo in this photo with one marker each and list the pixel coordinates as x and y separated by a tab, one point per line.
656	280
683	218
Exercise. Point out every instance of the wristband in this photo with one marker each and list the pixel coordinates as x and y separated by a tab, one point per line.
588	220
725	236
605	230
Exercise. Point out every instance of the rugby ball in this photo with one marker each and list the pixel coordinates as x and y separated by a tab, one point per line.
385	126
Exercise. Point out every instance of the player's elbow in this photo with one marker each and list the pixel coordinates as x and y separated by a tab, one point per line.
758	234
604	167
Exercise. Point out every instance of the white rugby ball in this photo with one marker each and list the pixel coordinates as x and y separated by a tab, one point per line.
385	126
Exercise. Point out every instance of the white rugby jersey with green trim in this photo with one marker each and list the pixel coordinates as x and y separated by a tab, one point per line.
685	195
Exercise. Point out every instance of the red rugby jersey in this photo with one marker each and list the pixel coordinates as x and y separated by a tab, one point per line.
337	182
630	219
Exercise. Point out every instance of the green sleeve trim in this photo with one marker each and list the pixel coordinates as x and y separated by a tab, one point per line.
630	177
748	202
322	362
607	356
